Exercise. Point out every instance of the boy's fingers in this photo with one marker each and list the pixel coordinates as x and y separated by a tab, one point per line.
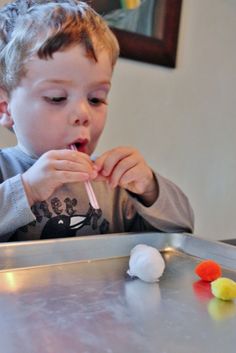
67	155
109	159
68	177
66	165
69	161
122	168
100	177
100	161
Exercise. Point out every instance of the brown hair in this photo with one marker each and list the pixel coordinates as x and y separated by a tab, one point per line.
43	27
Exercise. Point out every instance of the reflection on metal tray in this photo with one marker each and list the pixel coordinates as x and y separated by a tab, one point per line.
73	295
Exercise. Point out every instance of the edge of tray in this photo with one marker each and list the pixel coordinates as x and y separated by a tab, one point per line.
27	254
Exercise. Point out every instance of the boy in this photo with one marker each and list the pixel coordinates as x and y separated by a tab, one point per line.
56	64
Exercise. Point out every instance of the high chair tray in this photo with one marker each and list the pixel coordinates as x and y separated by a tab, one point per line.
73	295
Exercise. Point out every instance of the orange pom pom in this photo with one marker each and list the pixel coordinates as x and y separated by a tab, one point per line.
208	270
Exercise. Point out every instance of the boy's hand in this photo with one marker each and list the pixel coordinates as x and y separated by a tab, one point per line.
53	169
125	167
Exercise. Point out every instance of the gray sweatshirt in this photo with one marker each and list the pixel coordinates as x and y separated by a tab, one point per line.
68	212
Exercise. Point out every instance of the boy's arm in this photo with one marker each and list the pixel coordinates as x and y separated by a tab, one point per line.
171	212
14	207
160	202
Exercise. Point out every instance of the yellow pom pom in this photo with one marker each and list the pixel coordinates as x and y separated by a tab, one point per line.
224	288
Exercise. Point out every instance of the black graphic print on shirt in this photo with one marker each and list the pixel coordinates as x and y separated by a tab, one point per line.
62	219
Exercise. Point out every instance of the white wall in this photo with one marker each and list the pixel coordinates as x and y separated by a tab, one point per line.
6	138
184	120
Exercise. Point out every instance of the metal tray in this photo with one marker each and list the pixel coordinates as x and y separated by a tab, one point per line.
73	296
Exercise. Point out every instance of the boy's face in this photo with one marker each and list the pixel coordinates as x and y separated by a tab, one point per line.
61	101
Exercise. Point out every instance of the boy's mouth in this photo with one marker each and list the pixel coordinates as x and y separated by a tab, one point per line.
81	145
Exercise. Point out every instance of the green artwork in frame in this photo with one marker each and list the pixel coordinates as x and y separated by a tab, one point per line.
147	30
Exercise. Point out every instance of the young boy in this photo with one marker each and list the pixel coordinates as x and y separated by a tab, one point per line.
56	64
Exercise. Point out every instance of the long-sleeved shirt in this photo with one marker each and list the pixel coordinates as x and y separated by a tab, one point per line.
68	212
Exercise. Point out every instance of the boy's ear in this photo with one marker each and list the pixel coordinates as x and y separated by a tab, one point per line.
5	116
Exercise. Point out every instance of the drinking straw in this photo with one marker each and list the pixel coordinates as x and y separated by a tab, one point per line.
91	195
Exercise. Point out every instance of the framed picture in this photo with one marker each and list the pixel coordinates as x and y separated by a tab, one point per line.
147	30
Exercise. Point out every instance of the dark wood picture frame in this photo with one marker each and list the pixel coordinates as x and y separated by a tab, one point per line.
160	51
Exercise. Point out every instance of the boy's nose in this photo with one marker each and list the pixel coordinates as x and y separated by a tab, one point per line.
81	114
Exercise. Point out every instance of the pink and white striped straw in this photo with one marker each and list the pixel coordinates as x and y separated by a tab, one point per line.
91	195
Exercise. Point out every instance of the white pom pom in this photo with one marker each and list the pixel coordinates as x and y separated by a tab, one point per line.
146	263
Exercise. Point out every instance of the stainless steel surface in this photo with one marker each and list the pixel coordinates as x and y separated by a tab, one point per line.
81	301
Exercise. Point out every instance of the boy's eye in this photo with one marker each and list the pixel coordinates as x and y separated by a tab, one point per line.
55	100
97	101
